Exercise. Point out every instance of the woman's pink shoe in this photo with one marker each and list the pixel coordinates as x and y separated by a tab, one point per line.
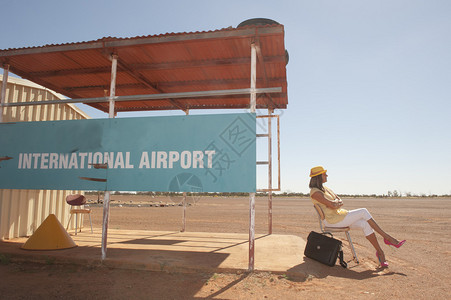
384	264
397	245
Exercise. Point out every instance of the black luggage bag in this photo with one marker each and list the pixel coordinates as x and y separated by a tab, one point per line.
324	249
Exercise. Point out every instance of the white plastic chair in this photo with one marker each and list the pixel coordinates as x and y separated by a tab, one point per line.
326	229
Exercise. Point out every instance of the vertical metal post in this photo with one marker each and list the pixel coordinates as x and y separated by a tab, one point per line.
278	152
184	199
106	200
113	84
106	212
3	93
269	172
253	106
184	213
251	231
253	103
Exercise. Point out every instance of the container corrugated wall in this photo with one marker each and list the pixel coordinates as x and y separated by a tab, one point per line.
23	211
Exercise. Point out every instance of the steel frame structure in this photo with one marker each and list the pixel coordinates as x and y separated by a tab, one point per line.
112	98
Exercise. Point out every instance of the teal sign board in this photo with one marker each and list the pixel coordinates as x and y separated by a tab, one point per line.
197	153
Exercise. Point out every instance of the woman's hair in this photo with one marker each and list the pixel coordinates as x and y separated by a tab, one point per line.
317	182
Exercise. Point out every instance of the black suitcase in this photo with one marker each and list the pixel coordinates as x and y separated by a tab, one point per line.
324	249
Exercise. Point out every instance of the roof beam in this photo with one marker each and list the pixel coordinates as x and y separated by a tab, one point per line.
68	72
165	85
151	97
158	66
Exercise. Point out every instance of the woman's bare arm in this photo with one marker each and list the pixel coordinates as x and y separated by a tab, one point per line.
318	196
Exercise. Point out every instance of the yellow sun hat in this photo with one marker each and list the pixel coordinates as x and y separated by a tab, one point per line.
315	171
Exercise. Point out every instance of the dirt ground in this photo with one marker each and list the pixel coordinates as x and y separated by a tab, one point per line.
419	269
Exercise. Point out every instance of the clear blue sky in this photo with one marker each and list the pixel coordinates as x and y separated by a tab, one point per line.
369	82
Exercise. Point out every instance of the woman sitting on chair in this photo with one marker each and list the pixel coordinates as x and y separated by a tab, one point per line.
335	216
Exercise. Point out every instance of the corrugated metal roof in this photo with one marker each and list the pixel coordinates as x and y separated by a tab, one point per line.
165	63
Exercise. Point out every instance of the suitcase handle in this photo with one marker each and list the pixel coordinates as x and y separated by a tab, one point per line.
342	261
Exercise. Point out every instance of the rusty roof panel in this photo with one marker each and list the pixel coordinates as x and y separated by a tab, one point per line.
167	63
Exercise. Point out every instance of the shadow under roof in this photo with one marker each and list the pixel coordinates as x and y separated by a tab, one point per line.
157	64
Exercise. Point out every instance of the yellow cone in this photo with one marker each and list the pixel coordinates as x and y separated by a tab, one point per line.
51	235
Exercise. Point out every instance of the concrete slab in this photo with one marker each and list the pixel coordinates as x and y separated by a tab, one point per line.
173	251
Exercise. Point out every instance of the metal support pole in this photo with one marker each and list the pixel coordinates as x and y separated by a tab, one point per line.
251	231
106	212
253	103
106	200
184	213
184	199
269	173
3	93
253	106
278	153
113	84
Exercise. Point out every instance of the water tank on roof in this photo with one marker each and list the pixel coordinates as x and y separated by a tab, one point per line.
263	21
257	21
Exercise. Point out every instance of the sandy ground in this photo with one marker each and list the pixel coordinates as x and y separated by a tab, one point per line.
419	269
